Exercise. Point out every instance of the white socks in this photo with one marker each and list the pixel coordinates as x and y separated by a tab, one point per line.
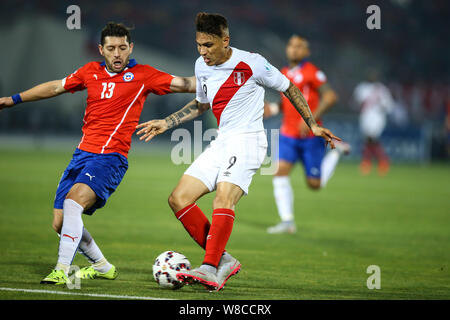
284	197
282	190
328	165
71	234
74	236
92	252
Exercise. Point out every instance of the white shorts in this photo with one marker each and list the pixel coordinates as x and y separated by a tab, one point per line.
372	123
233	159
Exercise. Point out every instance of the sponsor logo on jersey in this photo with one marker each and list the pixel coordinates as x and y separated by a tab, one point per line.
128	76
239	78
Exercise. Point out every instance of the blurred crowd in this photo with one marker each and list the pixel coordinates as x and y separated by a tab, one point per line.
410	50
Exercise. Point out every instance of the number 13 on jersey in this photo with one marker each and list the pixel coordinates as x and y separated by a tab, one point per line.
108	90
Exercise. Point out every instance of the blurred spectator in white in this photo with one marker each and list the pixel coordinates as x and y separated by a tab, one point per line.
375	102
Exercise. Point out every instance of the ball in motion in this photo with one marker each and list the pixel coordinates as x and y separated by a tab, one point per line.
166	266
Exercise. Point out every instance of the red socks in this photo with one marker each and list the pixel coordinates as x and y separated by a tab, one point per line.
219	233
195	222
211	237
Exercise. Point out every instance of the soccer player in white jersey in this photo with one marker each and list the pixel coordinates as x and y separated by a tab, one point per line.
230	82
375	102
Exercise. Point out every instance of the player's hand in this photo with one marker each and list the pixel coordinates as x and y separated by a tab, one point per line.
151	128
326	134
6	102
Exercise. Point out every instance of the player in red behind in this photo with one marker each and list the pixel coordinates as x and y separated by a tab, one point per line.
231	83
297	142
117	89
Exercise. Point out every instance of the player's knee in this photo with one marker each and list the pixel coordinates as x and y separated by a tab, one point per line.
178	200
283	169
222	201
82	194
313	184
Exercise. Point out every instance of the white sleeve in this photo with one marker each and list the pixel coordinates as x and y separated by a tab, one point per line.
269	76
387	100
358	93
201	94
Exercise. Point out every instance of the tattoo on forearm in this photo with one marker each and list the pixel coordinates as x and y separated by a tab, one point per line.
186	113
299	102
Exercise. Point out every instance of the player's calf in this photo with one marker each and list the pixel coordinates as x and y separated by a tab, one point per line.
57	220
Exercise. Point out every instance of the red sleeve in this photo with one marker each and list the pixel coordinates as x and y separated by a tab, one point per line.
318	78
75	81
158	82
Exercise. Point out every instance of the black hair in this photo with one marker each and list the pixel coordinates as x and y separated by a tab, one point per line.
113	29
211	23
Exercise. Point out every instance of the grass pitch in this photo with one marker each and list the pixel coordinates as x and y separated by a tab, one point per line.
400	223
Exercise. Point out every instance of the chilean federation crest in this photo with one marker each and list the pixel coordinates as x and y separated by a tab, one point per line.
128	76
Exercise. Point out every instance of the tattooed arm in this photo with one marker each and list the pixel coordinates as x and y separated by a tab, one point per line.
299	102
154	127
190	111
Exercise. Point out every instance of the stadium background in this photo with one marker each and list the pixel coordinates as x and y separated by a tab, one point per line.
406	213
408	51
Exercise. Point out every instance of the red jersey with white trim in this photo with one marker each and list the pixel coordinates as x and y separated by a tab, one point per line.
235	90
114	102
308	78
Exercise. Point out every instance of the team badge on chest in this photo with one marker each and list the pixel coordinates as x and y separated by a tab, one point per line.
128	76
239	78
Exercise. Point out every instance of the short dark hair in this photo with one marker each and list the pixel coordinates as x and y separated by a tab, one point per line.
113	29
211	23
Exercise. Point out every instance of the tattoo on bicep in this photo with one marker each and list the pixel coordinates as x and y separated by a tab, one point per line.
299	102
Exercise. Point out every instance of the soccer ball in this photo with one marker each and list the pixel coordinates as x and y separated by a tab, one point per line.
166	267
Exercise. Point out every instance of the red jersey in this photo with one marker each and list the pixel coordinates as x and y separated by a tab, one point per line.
308	78
114	102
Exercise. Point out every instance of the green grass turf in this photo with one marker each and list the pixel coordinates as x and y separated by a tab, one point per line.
400	222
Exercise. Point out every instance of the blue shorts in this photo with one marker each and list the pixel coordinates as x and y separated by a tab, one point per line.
101	172
310	151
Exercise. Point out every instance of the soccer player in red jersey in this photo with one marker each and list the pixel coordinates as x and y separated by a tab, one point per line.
297	142
117	89
231	83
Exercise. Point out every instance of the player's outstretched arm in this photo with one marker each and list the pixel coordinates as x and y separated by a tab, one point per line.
299	102
41	91
183	84
189	112
328	98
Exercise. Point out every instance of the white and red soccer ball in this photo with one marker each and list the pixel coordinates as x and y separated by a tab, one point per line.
166	266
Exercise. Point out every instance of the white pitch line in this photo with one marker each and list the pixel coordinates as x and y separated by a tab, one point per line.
96	295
